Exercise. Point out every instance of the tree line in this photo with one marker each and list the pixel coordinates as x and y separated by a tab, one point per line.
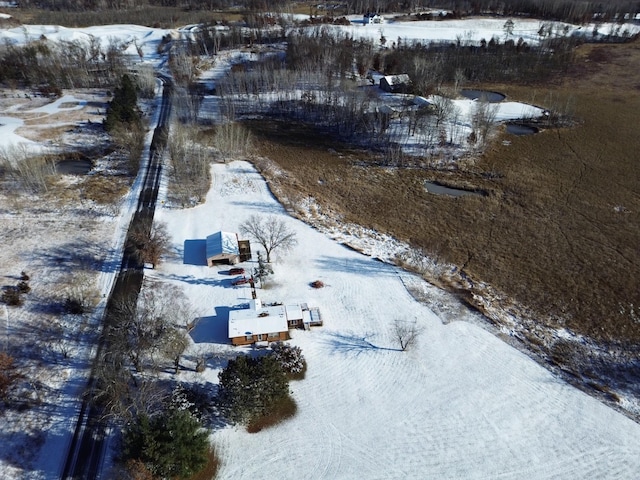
319	80
572	11
50	67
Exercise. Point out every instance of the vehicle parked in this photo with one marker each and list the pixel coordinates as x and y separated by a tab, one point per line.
236	271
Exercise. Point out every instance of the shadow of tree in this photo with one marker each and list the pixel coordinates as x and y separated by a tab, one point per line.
348	343
79	255
262	207
363	266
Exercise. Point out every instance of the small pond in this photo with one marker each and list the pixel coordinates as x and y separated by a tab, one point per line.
74	166
521	129
452	192
491	97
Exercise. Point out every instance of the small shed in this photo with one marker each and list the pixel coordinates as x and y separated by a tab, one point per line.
395	83
224	247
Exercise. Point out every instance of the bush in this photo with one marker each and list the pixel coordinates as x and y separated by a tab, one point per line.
172	444
9	376
23	287
290	359
11	296
74	306
317	284
232	140
283	409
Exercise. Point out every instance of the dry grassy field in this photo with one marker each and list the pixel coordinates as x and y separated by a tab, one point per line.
558	235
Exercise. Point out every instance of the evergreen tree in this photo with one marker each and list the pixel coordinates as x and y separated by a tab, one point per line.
251	387
171	445
123	107
289	357
263	270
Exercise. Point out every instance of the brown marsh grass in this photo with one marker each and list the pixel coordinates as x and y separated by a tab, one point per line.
559	231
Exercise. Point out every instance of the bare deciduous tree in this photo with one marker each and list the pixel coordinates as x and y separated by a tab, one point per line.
482	120
232	139
405	333
173	346
149	244
271	232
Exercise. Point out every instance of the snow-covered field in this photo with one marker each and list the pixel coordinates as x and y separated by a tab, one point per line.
463	404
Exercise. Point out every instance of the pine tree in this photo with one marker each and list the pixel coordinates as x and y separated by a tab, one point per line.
171	445
251	387
263	270
123	107
289	357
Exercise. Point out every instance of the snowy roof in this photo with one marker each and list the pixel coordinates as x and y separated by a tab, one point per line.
293	312
222	243
396	79
259	321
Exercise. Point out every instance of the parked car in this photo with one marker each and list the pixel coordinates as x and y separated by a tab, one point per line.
240	281
236	271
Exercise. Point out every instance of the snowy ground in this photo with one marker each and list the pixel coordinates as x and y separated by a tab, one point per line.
461	405
470	30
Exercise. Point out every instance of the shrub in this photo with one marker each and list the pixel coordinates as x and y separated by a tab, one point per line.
11	296
210	470
317	284
290	359
74	306
232	139
23	287
9	376
281	410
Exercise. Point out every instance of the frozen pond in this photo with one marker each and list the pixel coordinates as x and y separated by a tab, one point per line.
452	192
74	166
491	97
521	129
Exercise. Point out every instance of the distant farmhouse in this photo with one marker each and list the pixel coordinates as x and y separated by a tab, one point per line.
373	18
225	247
269	323
396	83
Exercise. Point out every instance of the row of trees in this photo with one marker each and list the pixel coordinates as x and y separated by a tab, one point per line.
65	64
575	11
323	67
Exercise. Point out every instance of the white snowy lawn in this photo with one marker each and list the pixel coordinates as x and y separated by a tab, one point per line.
463	404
